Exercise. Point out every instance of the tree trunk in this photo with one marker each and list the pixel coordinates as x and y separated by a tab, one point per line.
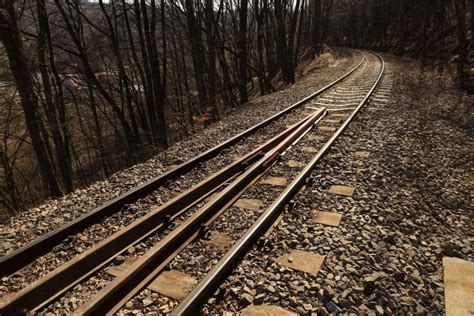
283	56
59	138
242	49
463	72
146	74
90	75
211	55
259	15
292	37
159	90
20	68
195	37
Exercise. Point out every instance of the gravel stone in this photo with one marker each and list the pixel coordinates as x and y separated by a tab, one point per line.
245	299
410	207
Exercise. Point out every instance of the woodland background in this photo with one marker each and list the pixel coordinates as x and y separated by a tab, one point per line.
89	88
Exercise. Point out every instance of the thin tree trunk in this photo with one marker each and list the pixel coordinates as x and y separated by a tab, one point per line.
242	51
282	49
90	76
211	55
260	59
62	151
159	89
463	73
195	37
147	79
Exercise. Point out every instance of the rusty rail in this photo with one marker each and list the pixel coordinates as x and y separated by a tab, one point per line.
84	265
147	267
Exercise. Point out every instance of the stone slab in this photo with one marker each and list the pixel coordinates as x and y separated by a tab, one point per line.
309	149
295	164
458	286
248	204
276	181
329	121
117	271
174	284
341	190
327	218
265	310
302	261
220	240
338	115
316	137
362	154
327	129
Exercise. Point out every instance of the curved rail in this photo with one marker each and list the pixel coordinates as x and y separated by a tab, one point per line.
25	255
207	286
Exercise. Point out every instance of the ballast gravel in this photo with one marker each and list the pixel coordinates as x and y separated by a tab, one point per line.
412	206
196	259
33	223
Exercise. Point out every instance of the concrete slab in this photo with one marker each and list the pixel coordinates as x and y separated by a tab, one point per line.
120	269
341	190
329	121
309	149
220	240
248	204
327	218
316	138
302	261
338	115
174	284
362	154
295	164
265	310
458	286
276	181
327	129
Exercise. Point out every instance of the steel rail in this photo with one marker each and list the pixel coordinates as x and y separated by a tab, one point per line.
80	267
29	253
190	305
167	260
147	267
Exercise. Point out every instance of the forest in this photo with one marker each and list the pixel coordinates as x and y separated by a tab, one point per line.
88	88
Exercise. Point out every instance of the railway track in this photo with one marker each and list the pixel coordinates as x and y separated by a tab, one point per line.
192	215
27	254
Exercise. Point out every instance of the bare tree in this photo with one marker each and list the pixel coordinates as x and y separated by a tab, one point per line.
11	38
